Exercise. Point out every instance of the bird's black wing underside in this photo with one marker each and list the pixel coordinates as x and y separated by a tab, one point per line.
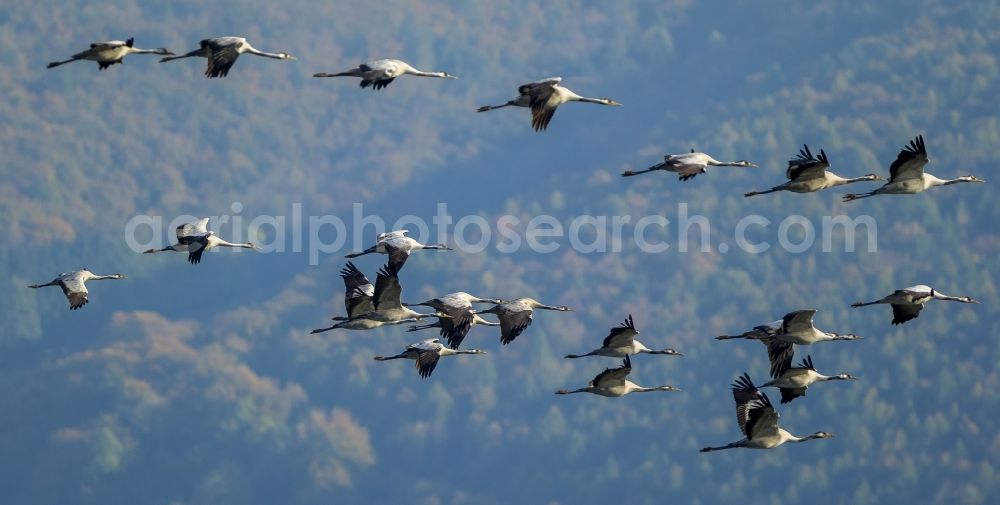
904	313
780	354
689	173
789	394
397	257
220	62
376	83
194	255
540	117
457	328
426	361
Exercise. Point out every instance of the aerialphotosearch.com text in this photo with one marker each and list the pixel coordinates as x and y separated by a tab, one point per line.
683	232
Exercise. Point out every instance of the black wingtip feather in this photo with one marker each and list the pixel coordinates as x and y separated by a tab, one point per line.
389	270
743	382
349	270
807	362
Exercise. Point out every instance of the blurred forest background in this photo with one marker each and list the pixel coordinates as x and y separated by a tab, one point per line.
202	385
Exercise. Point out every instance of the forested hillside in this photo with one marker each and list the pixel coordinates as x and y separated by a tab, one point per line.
202	383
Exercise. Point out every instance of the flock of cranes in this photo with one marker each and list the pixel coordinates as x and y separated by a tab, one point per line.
758	420
369	306
808	173
542	97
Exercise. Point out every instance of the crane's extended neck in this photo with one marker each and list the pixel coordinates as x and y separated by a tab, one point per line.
443	247
837	336
669	352
421	73
838	377
964	299
223	243
602	101
658	388
478	320
814	436
934	181
106	277
278	56
840	181
446	351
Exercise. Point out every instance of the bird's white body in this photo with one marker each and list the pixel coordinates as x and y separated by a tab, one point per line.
195	239
457	316
797	329
74	285
918	185
796	378
907	174
222	53
827	180
380	73
372	306
805	337
807	174
398	247
621	351
393	314
621	342
516	315
112	50
758	420
688	165
426	355
612	383
109	52
794	381
616	390
770	438
545	97
908	302
523	99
